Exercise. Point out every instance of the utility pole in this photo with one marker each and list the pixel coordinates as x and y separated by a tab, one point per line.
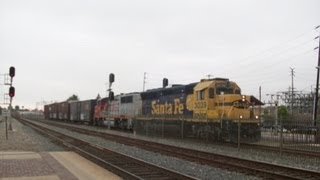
317	86
144	80
292	75
260	105
275	103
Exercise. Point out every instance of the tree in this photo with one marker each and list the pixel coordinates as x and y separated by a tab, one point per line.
73	98
17	108
283	112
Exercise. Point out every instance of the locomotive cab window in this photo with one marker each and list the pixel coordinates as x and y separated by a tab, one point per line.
200	95
127	99
211	93
225	90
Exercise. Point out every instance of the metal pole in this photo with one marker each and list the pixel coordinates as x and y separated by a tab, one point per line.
292	88
317	86
281	136
162	124
239	132
182	127
260	105
144	81
10	108
6	128
276	115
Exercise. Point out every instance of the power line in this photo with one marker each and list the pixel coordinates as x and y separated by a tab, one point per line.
268	50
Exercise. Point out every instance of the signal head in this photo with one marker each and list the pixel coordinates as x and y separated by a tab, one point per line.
111	78
165	82
11	91
12	71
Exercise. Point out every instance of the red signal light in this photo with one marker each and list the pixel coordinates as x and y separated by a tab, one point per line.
11	91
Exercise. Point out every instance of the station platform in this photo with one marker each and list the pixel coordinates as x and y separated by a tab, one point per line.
49	166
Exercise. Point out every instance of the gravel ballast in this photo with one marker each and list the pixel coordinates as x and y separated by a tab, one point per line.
190	168
251	154
23	138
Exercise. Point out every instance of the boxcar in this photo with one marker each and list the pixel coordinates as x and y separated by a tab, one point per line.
53	111
87	110
46	111
75	110
64	110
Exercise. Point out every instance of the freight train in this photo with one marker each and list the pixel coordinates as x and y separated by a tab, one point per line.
211	108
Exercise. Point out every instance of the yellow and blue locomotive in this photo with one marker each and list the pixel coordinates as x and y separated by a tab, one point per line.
212	108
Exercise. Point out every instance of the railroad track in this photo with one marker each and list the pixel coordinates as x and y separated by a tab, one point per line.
118	163
289	151
284	150
249	167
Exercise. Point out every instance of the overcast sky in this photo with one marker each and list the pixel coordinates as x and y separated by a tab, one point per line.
65	47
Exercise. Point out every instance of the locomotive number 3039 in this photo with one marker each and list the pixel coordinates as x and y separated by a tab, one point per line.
200	105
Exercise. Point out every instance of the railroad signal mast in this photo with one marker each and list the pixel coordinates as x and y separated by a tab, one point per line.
12	73
11	93
111	93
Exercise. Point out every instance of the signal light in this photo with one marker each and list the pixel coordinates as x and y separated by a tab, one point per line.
111	78
12	71
11	91
165	82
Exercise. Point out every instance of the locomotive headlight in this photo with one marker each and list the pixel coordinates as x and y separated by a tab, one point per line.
257	117
243	98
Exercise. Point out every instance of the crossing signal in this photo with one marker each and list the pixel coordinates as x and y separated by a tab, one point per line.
11	91
12	71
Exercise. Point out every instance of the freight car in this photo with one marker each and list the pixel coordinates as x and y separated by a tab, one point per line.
75	111
52	111
63	111
212	109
